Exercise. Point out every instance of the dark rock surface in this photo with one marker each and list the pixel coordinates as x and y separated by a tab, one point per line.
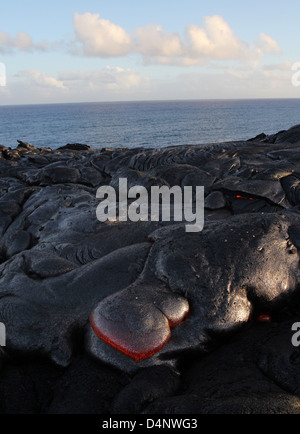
176	312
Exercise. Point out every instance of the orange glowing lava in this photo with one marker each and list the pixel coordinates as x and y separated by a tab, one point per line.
136	355
243	197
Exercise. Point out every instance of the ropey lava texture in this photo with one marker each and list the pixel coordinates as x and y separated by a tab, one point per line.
147	297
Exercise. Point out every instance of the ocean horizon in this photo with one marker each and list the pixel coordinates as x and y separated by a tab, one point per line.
149	124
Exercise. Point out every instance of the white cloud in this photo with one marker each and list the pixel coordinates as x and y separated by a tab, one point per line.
229	84
284	66
113	78
277	75
238	74
23	41
41	79
233	67
5	40
109	83
119	84
100	37
267	45
20	42
215	40
153	40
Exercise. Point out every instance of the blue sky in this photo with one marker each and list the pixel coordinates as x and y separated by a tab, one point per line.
72	51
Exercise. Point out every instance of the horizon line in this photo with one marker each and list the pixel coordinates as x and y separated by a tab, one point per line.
149	101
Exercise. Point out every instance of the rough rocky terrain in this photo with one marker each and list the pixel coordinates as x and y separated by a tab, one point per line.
188	323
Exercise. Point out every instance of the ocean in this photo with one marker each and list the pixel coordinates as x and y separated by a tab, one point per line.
154	124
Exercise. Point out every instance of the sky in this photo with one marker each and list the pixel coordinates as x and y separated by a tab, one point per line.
90	51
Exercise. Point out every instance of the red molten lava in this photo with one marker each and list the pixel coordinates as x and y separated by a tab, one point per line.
137	357
264	318
245	198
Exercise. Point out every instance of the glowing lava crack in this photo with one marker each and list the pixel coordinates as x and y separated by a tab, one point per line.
144	329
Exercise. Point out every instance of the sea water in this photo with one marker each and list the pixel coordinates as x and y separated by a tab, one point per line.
154	124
